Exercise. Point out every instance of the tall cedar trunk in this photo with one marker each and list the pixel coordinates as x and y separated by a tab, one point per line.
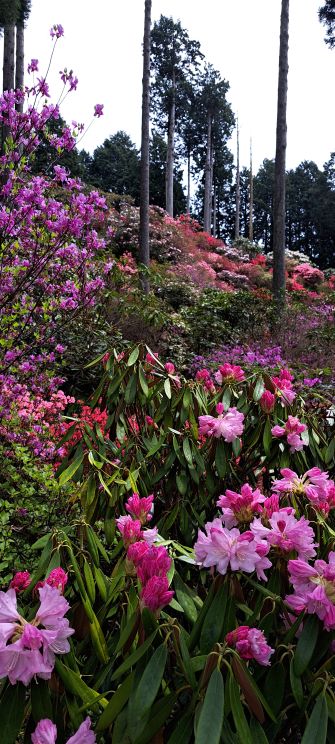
211	189
251	199
279	178
144	251
238	191
8	71
207	196
188	208
170	151
214	212
19	70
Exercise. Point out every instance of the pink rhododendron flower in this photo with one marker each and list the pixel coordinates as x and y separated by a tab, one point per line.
228	373
250	643
170	368
222	548
56	31
292	430
314	589
98	109
240	507
131	529
284	388
267	401
150	536
20	581
156	594
287	533
46	733
28	649
228	425
140	507
315	484
136	551
204	376
58	578
154	562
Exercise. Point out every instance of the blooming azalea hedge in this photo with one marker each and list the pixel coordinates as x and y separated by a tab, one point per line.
193	599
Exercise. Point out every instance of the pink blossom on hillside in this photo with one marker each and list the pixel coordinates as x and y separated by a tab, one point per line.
228	373
315	484
284	388
314	589
154	562
267	401
57	578
292	430
20	581
223	548
170	368
140	507
250	643
228	425
286	533
240	507
131	529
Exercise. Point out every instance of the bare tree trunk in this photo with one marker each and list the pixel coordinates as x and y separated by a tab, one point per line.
238	191
170	152
251	199
19	70
279	182
214	212
8	58
188	208
144	250
208	165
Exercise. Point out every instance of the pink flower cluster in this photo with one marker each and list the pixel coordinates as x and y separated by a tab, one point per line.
229	373
204	377
314	589
131	524
27	649
22	579
46	733
286	533
315	484
292	431
223	548
240	507
284	387
229	426
250	643
267	401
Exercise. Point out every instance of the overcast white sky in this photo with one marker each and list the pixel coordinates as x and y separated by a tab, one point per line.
103	45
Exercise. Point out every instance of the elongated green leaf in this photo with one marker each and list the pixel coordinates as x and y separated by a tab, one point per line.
73	682
127	630
167	388
211	716
159	713
187	452
257	732
143	381
316	729
240	720
258	389
306	645
41	706
70	470
134	657
183	730
133	357
12	712
296	686
184	599
220	458
115	704
212	627
146	692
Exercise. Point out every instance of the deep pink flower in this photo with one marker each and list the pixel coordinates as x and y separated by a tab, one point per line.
228	425
240	507
46	733
131	529
154	562
267	401
284	388
57	578
156	594
170	368
20	581
136	551
140	507
287	533
228	373
250	643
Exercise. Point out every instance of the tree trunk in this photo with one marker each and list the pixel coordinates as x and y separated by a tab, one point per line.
214	212
8	58
279	182
170	152
238	190
144	250
188	208
251	199
19	70
207	197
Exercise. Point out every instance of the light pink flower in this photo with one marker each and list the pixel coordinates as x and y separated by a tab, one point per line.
292	430
250	643
156	594
240	507
20	581
287	533
228	373
150	536
46	733
140	507
229	426
170	368
314	589
222	548
284	388
314	484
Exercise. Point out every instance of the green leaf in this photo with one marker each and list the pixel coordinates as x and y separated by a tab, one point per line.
220	459
182	482
187	452
296	686
306	645
41	706
184	730
134	657
69	472
267	437
257	732
240	720
160	712
130	391
258	389
316	729
115	704
184	599
212	627
74	683
211	715
143	381
146	692
167	388
133	357
12	712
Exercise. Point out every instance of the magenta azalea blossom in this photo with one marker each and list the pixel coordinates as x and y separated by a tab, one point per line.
28	649
222	548
315	484
250	643
267	401
46	733
284	388
240	507
156	594
228	373
229	426
140	508
287	533
98	109
20	581
314	589
292	430
131	529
